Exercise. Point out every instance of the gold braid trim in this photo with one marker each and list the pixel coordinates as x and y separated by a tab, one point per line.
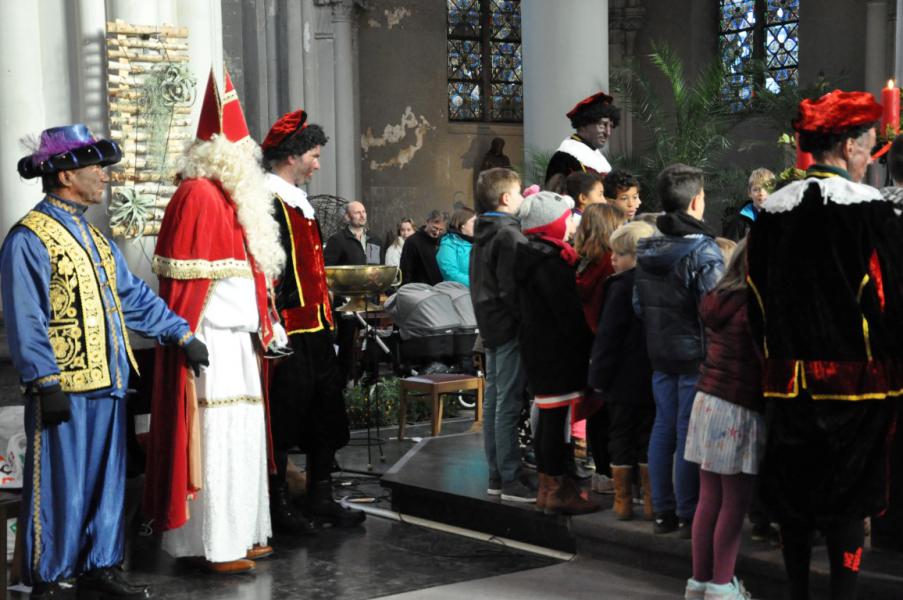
109	265
229	401
36	485
42	381
185	338
77	328
201	269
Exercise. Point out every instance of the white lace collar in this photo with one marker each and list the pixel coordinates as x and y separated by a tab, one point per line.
586	155
290	194
838	190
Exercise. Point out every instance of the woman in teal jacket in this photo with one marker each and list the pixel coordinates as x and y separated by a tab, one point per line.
454	248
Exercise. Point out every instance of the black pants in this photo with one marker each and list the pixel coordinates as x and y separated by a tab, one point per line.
628	432
548	441
346	335
597	426
844	541
319	465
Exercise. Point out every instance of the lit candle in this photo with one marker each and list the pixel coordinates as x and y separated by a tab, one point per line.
890	100
803	159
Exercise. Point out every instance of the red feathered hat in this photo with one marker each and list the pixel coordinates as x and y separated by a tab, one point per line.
836	112
597	98
285	126
222	114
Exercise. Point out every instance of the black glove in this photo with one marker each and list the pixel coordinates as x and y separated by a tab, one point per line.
55	407
196	355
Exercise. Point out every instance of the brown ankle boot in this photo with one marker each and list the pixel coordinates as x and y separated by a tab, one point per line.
564	498
543	493
648	513
623	477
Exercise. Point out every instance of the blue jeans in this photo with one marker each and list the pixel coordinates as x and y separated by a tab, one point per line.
502	403
674	481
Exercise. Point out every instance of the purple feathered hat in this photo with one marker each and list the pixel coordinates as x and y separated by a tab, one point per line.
67	148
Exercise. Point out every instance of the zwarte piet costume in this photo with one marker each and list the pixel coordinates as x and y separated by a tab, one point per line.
68	298
826	280
576	154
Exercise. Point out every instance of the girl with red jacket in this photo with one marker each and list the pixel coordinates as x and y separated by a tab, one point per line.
726	435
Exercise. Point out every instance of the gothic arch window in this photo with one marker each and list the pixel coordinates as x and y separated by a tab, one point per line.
766	31
485	71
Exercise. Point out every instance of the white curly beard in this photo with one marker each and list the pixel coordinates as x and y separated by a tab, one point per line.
236	165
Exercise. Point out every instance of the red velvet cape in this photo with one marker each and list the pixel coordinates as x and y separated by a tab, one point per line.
201	226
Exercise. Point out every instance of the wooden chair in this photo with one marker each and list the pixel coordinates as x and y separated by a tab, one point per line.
434	387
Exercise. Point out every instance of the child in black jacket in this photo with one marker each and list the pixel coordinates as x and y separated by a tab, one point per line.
554	340
620	369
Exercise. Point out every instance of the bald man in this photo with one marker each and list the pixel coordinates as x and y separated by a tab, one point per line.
351	245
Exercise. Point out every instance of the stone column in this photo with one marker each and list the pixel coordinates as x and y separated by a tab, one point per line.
877	71
898	43
347	149
565	60
625	20
21	105
205	44
294	51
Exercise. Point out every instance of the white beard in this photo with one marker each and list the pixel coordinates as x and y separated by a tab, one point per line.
237	167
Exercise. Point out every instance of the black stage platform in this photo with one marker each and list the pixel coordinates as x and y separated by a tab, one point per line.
444	479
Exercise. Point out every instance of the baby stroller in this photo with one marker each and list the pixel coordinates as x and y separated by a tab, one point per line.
436	327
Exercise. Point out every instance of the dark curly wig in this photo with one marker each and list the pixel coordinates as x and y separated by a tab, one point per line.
820	143
296	144
596	113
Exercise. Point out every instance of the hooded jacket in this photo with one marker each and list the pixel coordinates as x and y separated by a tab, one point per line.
674	271
732	369
492	287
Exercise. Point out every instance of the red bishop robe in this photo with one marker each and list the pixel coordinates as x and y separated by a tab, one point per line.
200	240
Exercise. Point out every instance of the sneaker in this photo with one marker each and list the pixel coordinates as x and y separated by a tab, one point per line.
727	591
495	486
603	484
665	522
516	491
695	590
761	532
685	529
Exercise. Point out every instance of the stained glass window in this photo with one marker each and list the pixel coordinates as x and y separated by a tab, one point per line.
758	30
485	71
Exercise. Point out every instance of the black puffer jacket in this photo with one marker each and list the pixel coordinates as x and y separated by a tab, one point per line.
674	271
492	288
554	337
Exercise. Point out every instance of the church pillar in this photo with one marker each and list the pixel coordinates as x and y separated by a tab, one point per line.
203	18
347	148
565	54
21	105
877	71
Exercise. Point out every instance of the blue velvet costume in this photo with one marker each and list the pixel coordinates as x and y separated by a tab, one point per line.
72	505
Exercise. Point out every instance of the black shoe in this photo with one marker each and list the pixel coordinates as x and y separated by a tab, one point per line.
285	517
47	590
665	522
322	507
109	584
685	529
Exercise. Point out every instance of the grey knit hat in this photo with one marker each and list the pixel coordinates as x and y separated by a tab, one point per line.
543	208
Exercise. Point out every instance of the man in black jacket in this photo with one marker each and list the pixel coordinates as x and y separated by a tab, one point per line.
418	256
350	246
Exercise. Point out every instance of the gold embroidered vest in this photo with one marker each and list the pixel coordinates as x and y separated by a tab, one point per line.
77	327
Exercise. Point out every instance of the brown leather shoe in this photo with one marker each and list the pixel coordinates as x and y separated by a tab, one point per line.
242	565
258	552
623	478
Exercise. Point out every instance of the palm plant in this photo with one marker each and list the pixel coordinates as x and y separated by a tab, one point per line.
692	126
